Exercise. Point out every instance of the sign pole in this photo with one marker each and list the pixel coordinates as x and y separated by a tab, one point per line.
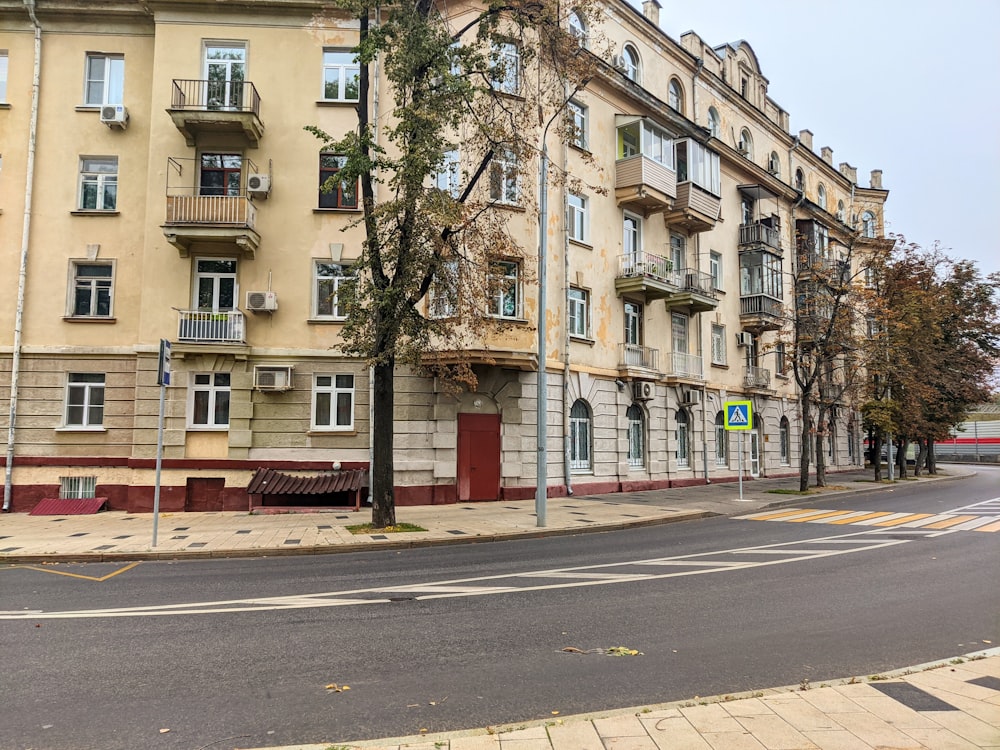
163	378
739	437
739	417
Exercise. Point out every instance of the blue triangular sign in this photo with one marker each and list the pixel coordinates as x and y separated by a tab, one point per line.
737	415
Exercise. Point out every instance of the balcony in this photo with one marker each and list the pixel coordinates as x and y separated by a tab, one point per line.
695	209
761	312
758	378
758	233
644	185
695	291
201	108
226	220
654	277
201	327
685	367
636	360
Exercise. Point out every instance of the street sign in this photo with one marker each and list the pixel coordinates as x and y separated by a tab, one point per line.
163	375
739	415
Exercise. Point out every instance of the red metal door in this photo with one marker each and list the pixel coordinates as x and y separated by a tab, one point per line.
478	457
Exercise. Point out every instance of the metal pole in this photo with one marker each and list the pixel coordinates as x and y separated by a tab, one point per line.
739	443
541	397
159	462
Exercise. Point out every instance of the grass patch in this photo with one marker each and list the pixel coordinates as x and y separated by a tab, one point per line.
399	528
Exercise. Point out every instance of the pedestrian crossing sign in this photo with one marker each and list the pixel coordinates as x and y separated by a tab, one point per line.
739	415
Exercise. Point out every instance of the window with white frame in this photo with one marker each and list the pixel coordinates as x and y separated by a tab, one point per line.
505	182
774	164
678	252
578	304
448	178
578	217
800	180
506	73
341	76
645	137
868	224
715	269
721	440
505	283
332	284
105	80
681	438
333	402
443	293
697	164
92	289
675	95
84	399
714	122
745	146
580	436
841	214
3	76
209	400
631	236
98	183
577	115
784	442
631	66
77	488
780	359
215	287
636	436
821	196
577	27
633	323
718	344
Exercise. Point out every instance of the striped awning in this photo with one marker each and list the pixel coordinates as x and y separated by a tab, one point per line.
271	482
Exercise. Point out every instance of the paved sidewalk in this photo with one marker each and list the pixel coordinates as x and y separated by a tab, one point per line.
117	535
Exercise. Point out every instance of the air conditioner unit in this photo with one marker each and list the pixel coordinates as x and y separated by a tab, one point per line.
115	115
692	398
642	391
262	301
272	378
744	338
618	62
259	185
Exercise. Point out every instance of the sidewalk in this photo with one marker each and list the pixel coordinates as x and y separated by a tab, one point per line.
119	536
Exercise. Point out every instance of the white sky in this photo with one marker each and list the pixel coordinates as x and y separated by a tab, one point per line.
911	87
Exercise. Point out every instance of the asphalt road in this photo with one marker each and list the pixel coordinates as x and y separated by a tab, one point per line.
240	653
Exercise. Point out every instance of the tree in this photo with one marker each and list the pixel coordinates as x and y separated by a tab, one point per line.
487	76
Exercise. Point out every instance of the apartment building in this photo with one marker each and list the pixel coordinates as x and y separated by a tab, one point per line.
157	184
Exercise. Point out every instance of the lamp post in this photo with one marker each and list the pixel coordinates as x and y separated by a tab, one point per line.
541	395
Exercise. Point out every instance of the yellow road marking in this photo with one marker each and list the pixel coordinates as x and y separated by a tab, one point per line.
784	513
904	519
78	575
865	517
817	516
995	526
950	522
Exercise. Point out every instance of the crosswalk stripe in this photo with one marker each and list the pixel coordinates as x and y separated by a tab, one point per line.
904	519
995	526
817	516
781	514
865	517
948	523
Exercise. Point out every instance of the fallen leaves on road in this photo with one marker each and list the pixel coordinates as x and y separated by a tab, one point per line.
333	687
613	651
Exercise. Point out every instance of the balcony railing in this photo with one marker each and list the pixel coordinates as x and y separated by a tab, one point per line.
686	365
646	264
699	282
760	304
760	233
202	327
215	96
186	206
634	355
756	377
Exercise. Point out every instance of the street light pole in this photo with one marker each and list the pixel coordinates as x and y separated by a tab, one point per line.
541	396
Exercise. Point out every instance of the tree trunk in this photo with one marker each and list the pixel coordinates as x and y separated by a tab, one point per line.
382	470
804	441
931	458
921	456
820	449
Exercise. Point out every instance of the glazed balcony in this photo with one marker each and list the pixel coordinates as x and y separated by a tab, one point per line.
224	221
202	107
637	360
644	185
761	312
695	209
758	378
201	327
685	366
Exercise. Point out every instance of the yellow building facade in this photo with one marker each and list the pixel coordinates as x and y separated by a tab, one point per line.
156	184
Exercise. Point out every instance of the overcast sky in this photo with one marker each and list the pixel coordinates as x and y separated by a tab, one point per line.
911	87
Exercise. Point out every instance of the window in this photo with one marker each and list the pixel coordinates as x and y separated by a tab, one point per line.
77	488
714	122
675	95
760	273
577	27
579	312
647	138
636	436
504	178
697	164
721	441
444	290
774	164
341	76
578	217
744	87
800	180
630	63
868	224
449	176
333	191
91	289
506	71
333	402
215	285
631	235
715	269
580	436
718	344
681	436
332	285
98	183
577	114
85	399
785	442
3	76
506	290
225	69
221	174
633	323
821	196
678	245
840	210
745	146
781	359
209	399
105	82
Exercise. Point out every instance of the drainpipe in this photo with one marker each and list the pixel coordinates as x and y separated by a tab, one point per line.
15	368
700	63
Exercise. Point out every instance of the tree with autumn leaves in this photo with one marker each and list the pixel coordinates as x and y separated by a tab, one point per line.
471	89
